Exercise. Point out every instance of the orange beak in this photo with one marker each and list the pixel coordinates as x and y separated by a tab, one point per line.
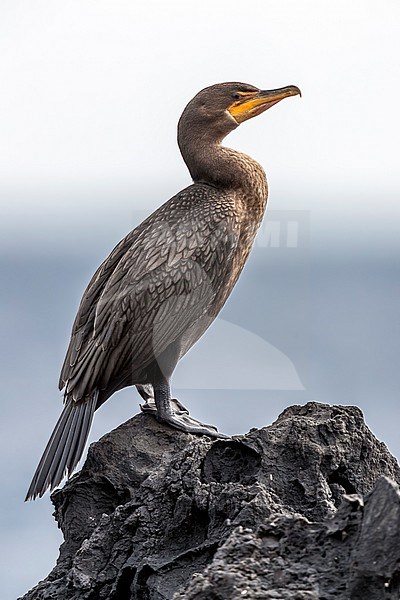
254	103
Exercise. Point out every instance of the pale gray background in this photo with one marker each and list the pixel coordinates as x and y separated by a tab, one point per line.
91	93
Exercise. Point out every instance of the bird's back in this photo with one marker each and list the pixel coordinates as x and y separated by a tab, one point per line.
165	281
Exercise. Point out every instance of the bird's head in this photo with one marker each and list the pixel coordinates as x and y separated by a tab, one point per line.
220	108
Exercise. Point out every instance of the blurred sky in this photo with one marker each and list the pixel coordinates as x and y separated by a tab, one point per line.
91	94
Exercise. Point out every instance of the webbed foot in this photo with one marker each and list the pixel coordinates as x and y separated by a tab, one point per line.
184	422
175	414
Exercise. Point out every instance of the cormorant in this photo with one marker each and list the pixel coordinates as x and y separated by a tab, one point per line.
166	281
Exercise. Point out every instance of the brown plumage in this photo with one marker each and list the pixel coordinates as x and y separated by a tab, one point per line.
164	284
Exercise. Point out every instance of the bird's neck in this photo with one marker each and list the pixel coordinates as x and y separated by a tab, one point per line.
211	163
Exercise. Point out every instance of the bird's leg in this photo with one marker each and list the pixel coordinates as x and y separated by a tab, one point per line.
147	393
180	419
149	406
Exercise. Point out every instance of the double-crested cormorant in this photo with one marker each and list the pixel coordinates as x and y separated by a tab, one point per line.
164	284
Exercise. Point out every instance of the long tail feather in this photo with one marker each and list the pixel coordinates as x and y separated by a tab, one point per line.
65	446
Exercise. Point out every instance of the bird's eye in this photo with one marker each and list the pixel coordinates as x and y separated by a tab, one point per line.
236	96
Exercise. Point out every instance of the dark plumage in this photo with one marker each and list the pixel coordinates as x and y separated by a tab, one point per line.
164	284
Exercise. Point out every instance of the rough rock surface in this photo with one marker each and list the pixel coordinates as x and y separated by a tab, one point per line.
307	508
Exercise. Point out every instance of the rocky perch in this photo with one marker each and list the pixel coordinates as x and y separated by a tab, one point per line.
307	508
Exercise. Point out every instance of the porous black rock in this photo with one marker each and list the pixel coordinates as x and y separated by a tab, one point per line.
306	508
